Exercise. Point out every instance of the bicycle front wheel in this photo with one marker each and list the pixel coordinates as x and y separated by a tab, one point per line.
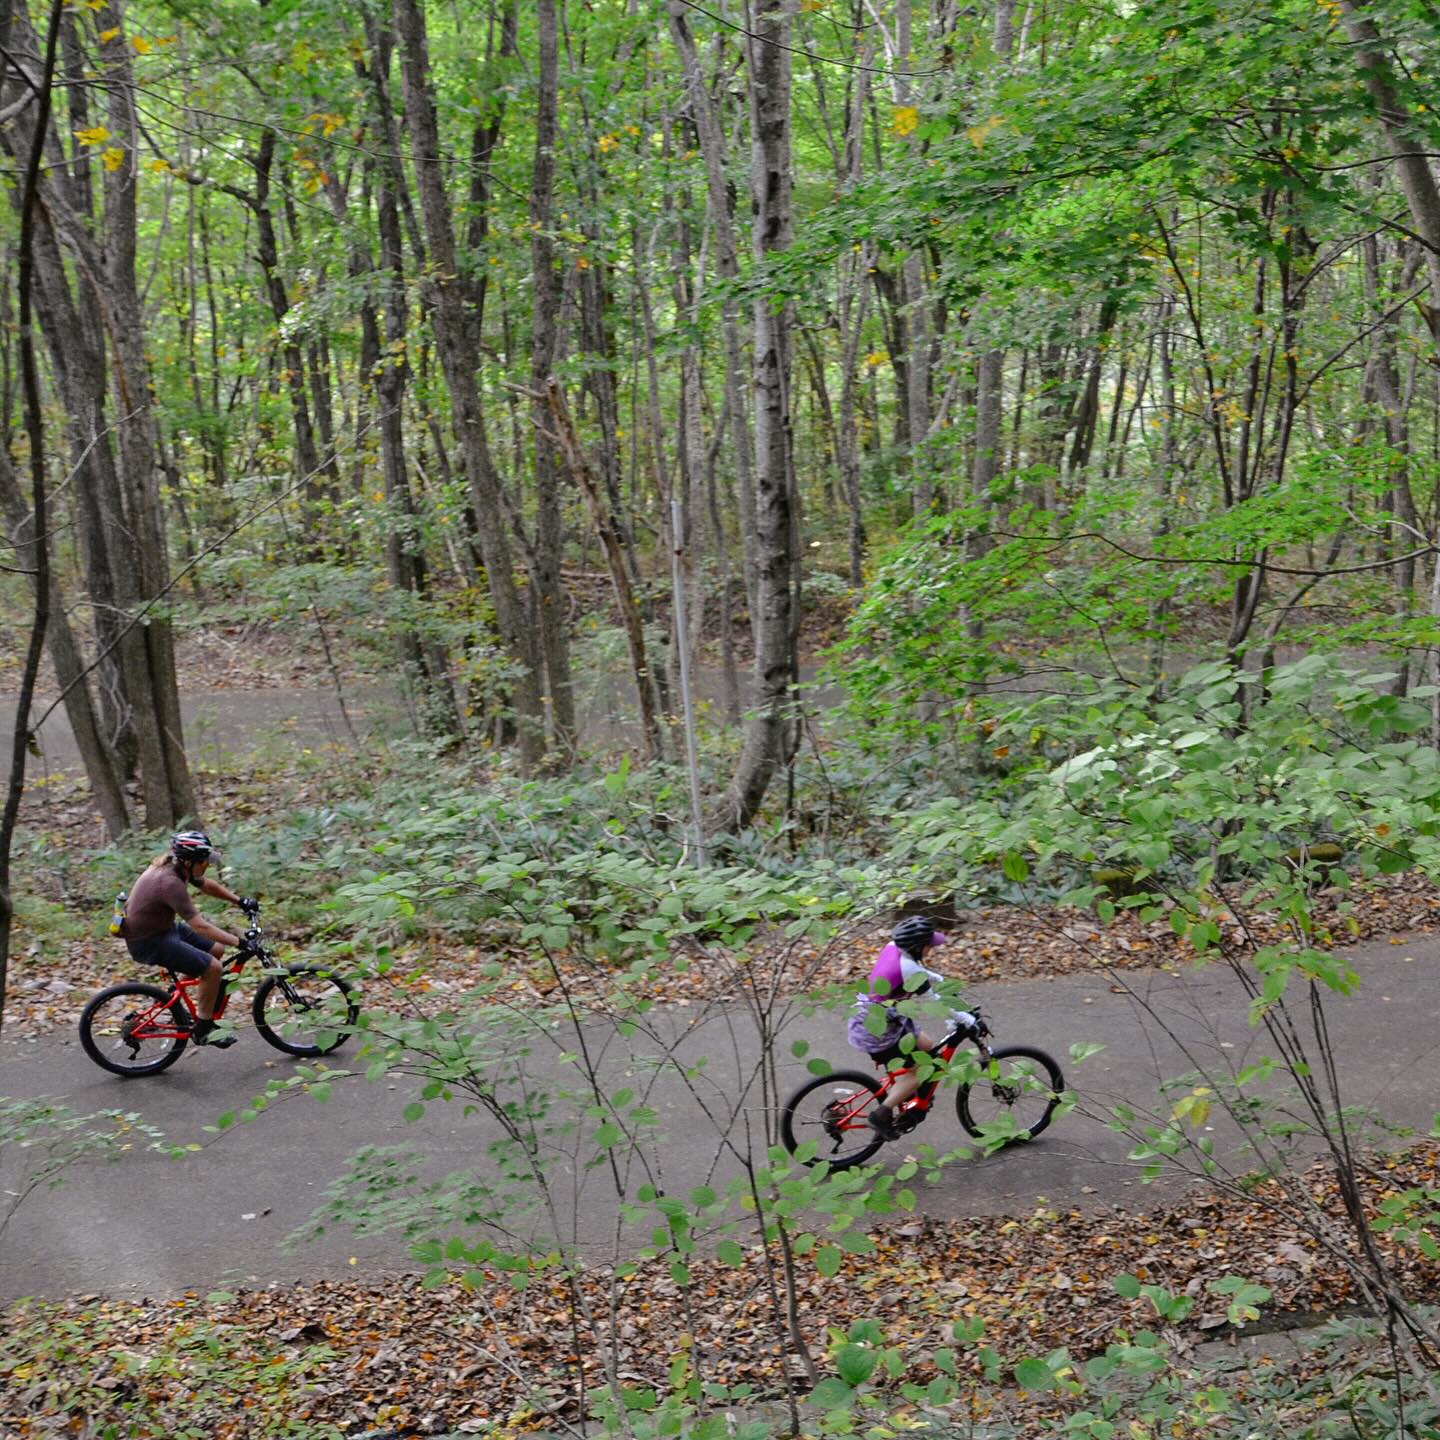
130	1030
305	1010
1014	1097
833	1110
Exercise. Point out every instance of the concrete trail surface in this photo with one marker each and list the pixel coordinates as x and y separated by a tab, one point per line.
144	1225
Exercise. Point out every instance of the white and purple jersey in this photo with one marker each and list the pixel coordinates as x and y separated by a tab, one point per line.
894	970
892	978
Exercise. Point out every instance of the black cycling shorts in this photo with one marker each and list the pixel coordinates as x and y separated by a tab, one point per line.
179	949
893	1052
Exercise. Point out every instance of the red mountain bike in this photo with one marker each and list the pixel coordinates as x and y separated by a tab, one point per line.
1013	1098
138	1029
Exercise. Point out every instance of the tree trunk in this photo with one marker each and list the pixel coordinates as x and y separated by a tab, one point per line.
990	372
169	794
69	665
691	476
425	659
77	360
38	550
915	298
770	187
124	503
457	359
549	590
1088	415
612	543
852	306
1408	143
307	453
727	263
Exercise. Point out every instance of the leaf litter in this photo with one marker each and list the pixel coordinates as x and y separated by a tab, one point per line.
383	1355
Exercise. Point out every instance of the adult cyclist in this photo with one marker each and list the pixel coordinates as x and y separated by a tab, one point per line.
163	928
880	1033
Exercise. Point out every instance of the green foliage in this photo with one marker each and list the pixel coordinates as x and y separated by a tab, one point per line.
42	1139
1203	799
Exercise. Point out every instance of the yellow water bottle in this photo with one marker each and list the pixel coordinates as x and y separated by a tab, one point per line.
117	920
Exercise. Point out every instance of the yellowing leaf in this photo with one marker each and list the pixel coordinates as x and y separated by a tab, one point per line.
96	135
978	134
159	167
904	118
876	358
140	44
106	36
1194	1108
113	158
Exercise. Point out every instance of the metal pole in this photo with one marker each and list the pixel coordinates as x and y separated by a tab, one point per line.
682	641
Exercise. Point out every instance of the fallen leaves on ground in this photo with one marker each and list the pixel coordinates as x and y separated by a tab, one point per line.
385	1356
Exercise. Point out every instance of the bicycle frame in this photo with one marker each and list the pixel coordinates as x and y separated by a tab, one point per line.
911	1112
157	1024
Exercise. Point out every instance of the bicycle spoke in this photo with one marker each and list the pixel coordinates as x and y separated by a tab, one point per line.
134	1036
304	1011
1012	1098
832	1113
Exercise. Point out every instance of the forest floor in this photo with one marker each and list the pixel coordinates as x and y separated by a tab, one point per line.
388	1357
61	954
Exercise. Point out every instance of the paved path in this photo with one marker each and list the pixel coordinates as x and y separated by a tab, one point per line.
144	1225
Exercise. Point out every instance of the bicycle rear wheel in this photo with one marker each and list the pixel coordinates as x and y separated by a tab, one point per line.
305	1010
1015	1096
833	1110
129	1029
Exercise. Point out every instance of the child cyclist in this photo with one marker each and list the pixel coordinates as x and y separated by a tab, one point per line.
898	973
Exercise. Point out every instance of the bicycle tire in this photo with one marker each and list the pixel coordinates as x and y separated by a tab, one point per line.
790	1116
1053	1080
150	995
290	1046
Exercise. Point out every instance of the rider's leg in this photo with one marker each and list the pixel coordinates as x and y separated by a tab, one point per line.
204	1032
907	1082
209	990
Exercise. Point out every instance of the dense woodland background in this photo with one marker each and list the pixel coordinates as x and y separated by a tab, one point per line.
1118	316
1037	340
1058	381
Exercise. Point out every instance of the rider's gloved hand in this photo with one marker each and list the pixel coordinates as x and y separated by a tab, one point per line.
963	1018
249	906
